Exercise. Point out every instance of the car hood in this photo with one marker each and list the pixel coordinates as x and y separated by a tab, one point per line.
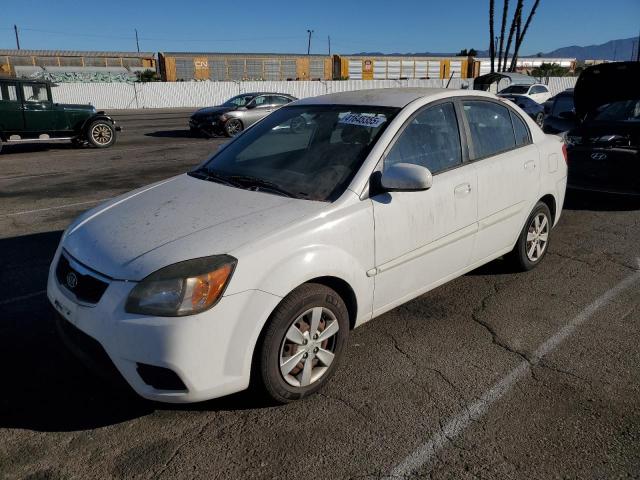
209	111
605	83
178	219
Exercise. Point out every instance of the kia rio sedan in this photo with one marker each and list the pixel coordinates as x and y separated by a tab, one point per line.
255	266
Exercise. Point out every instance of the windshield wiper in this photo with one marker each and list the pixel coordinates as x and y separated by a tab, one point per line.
248	181
205	174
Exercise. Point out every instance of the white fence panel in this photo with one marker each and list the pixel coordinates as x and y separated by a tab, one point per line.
558	84
100	95
199	94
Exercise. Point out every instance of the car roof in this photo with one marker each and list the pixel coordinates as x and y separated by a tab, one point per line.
266	93
386	97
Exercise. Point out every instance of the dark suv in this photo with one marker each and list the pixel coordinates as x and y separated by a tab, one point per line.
28	114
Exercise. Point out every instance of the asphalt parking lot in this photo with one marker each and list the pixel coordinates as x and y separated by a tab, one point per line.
494	375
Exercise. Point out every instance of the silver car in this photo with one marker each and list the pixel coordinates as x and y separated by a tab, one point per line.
237	113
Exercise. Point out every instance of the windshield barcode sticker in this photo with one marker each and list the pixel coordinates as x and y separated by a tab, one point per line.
363	120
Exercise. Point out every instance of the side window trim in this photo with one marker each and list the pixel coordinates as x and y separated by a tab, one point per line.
513	115
452	101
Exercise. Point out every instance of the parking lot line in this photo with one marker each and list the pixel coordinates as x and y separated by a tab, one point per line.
455	426
68	205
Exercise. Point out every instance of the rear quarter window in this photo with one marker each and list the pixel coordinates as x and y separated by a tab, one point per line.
491	128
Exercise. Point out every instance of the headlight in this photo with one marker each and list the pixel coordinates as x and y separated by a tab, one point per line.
184	288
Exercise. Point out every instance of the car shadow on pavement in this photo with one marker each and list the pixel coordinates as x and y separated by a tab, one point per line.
600	202
35	147
172	134
45	388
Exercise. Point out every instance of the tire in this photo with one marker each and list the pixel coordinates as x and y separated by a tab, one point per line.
532	245
540	119
318	358
1	144
101	134
233	127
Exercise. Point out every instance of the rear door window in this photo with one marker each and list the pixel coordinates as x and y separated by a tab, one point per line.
491	128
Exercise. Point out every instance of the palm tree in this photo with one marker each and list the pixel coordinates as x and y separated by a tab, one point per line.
505	12
514	22
492	45
520	36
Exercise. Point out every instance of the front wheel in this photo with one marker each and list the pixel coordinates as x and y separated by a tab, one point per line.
303	342
101	134
232	127
533	242
540	119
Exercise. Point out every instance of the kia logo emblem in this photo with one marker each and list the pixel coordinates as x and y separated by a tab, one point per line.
599	156
72	280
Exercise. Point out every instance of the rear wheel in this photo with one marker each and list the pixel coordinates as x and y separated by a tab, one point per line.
533	242
302	343
101	134
233	127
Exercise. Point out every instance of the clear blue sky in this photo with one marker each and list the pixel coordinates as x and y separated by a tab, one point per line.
278	26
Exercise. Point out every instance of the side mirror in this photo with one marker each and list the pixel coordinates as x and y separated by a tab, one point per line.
568	115
406	177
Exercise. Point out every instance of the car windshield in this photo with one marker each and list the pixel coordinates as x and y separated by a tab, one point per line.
622	111
239	100
516	89
304	151
563	103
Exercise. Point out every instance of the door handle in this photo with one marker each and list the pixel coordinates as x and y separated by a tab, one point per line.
530	165
462	190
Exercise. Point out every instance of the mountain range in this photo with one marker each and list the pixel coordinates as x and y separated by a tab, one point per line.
621	49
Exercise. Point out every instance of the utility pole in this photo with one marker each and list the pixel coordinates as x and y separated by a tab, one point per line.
15	29
137	44
329	42
309	43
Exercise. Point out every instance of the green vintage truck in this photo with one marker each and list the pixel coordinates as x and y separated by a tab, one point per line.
29	114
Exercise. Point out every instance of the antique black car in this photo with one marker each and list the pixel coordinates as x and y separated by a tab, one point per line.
29	114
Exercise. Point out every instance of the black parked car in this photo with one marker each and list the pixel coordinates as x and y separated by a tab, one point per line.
604	150
530	106
560	113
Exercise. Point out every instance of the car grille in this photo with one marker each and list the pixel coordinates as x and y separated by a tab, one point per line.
80	281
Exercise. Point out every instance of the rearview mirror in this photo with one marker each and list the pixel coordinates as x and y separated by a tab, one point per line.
406	177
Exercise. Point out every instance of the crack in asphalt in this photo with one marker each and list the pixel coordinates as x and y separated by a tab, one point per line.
495	338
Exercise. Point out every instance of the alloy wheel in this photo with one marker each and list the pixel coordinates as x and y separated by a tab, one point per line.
233	127
308	348
537	237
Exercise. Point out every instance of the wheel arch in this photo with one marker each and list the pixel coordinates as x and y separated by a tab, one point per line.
550	201
93	118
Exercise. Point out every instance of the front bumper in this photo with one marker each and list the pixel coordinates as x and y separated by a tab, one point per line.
206	126
210	353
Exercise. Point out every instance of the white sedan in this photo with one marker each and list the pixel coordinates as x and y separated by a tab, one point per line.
538	92
257	264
